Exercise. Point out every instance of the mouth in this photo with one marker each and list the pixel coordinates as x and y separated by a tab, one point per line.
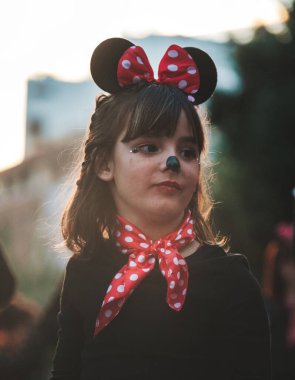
169	184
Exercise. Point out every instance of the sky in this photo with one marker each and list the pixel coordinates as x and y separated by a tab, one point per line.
57	37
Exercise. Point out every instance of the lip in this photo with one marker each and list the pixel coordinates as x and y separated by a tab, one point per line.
169	184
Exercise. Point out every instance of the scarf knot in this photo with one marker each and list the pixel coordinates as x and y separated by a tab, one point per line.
142	255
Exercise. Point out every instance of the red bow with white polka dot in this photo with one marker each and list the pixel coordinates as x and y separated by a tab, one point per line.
142	256
176	67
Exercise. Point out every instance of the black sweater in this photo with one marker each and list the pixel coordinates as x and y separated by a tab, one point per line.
221	333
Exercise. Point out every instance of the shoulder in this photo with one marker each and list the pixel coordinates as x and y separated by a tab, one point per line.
79	268
90	257
90	265
228	273
213	252
227	279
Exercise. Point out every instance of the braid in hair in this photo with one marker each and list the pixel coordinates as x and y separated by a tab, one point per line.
90	149
90	209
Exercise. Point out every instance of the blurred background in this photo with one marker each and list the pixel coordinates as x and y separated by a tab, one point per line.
47	98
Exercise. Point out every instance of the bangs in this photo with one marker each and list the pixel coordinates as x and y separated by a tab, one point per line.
156	113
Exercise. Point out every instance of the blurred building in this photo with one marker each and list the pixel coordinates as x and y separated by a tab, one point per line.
32	193
56	111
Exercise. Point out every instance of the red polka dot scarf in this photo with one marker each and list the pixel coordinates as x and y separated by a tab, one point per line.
177	67
142	254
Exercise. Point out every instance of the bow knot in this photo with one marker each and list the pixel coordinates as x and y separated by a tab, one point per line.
134	67
176	67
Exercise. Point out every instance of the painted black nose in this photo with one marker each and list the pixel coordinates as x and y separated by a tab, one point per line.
173	164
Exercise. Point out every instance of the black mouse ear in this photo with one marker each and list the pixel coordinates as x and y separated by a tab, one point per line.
104	63
207	72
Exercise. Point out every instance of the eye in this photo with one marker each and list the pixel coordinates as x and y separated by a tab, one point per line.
189	153
145	148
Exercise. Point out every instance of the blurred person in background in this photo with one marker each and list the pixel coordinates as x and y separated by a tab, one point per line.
279	292
22	340
7	281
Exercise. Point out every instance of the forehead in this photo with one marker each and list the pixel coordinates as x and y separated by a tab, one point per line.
183	125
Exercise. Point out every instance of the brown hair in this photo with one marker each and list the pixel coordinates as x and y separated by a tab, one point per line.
151	109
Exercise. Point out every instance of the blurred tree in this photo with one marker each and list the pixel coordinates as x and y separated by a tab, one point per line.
257	169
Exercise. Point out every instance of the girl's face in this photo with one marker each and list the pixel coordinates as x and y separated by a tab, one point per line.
144	189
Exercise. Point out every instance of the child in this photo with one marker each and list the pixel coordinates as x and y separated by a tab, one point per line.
138	227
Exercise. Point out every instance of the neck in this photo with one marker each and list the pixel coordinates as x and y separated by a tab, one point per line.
155	228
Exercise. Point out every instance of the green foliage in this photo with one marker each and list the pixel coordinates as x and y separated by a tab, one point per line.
256	174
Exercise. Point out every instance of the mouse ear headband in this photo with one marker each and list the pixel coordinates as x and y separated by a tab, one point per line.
117	63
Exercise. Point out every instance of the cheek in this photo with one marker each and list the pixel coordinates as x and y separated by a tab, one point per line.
139	165
132	170
193	174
